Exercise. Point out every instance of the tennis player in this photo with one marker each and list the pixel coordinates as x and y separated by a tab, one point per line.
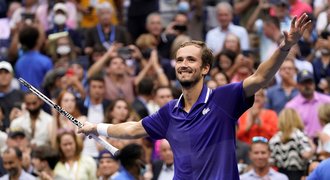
200	125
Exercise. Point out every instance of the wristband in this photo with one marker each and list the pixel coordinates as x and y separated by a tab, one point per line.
102	129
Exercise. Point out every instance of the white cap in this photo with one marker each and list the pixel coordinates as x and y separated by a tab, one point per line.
6	65
60	6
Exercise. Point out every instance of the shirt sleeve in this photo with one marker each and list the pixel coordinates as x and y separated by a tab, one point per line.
156	125
231	98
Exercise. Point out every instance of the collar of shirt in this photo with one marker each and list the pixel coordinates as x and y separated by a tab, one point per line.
202	99
168	168
270	173
230	25
315	98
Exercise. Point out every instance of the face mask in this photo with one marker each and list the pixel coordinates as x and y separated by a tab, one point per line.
59	19
183	6
325	51
63	49
143	170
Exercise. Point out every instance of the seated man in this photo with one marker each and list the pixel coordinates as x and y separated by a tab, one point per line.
259	155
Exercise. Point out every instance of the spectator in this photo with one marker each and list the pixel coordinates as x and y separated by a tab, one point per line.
89	12
165	40
132	162
224	62
94	107
298	7
9	97
161	96
32	65
12	162
307	102
215	37
324	135
244	9
138	16
144	91
164	168
257	121
105	33
120	111
259	155
321	63
321	172
68	102
322	22
26	13
108	167
35	122
279	94
221	79
73	164
44	159
48	12
118	84
291	148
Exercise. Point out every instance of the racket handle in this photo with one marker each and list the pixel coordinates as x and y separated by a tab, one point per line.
114	151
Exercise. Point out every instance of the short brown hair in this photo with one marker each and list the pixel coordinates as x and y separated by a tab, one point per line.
206	53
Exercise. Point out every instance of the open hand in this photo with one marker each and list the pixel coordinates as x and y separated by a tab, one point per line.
296	31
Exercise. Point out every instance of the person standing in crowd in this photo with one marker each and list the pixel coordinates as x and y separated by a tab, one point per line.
200	125
259	155
215	37
12	162
35	122
291	148
307	102
32	65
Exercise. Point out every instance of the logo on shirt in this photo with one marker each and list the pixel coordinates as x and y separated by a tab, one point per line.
205	111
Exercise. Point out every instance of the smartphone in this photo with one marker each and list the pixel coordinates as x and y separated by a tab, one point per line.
125	52
28	18
179	27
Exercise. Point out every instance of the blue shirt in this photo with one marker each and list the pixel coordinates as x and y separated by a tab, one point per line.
321	172
203	140
33	66
277	98
320	71
123	175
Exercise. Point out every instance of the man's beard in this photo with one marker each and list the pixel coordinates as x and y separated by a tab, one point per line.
13	172
187	84
34	112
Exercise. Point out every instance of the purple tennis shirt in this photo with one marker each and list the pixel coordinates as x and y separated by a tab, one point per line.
203	140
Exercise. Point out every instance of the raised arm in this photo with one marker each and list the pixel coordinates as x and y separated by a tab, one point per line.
127	130
266	70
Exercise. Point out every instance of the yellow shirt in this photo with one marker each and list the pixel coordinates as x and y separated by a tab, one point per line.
90	20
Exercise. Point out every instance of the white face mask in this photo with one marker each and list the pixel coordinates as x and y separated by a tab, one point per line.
183	6
59	19
63	49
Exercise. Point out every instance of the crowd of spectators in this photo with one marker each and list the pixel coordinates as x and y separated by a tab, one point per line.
113	61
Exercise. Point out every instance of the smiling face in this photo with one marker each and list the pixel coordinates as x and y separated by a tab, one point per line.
188	68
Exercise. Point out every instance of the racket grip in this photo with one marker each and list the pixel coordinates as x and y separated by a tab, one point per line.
114	151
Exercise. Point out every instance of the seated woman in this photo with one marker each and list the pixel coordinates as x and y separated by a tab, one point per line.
73	164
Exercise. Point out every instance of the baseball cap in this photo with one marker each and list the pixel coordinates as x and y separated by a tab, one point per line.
105	154
6	66
305	75
60	6
14	132
279	2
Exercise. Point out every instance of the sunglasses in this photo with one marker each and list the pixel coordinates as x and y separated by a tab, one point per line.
256	139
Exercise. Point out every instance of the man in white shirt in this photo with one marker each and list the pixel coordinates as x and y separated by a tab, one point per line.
35	122
216	36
